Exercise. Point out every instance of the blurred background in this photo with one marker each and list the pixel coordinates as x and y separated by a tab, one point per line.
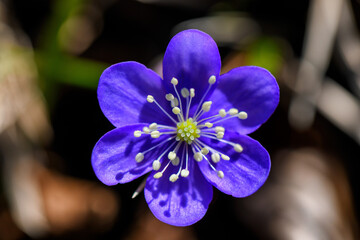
52	53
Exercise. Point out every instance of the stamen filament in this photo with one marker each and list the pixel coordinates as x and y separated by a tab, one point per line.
212	150
224	119
139	188
192	94
204	119
151	99
237	147
174	83
211	82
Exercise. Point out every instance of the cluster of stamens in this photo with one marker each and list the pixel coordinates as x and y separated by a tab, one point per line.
185	134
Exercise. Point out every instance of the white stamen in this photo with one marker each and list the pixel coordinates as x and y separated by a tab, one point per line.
238	148
169	97
225	157
137	133
204	151
220	135
153	126
184	92
176	161
158	175
220	174
184	173
176	110
156	165
155	134
139	157
233	111
174	81
146	130
243	115
219	129
150	99
198	156
174	102
173	178
172	155
215	157
206	106
212	79
192	92
208	124
222	112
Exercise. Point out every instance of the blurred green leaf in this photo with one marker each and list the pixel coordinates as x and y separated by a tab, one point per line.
267	53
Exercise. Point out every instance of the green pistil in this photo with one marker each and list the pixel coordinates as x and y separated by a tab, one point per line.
187	131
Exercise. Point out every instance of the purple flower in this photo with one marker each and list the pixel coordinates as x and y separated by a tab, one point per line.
189	129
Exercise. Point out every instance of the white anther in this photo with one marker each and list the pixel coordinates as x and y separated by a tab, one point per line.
204	151
155	134
225	157
172	155
139	157
176	161
153	126
243	115
212	79
222	112
208	124
146	130
184	173
215	157
219	129
137	133
158	175
150	99
233	111
176	110
173	178
198	156
169	97
156	165
220	135
185	92
192	92
220	174
174	81
175	102
238	148
206	106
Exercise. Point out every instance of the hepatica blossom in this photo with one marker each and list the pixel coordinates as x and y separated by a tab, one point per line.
188	130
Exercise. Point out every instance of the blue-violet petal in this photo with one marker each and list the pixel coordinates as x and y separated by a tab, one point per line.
122	93
113	157
250	89
192	57
179	203
245	172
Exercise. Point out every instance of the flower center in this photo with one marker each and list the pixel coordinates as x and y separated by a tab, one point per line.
187	134
187	131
